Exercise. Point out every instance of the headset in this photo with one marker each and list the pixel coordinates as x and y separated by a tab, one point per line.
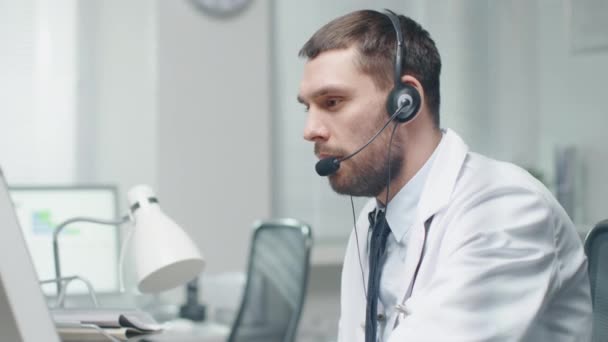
402	95
402	103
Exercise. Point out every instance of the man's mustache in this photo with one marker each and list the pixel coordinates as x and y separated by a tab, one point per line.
324	150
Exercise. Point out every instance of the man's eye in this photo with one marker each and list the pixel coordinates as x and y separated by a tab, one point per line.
332	102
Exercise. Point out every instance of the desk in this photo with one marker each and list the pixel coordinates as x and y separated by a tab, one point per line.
189	332
213	332
182	332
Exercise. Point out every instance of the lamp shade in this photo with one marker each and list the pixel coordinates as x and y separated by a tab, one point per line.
165	256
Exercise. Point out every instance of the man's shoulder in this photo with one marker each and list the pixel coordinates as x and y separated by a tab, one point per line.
482	175
487	183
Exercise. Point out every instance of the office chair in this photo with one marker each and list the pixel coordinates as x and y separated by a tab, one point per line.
596	248
277	278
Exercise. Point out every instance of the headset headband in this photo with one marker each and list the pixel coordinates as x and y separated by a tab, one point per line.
399	53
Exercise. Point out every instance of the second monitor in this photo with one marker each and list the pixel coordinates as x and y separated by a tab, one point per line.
86	249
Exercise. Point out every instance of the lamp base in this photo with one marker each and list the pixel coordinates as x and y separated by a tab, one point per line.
192	309
193	312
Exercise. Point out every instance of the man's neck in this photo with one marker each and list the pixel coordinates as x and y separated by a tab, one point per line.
418	150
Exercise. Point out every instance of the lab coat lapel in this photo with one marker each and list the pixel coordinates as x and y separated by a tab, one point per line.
436	193
415	245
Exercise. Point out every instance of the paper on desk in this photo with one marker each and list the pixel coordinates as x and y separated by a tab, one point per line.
107	318
78	334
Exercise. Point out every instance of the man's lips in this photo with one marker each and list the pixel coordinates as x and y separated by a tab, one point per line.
323	152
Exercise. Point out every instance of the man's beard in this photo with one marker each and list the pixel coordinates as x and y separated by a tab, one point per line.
366	174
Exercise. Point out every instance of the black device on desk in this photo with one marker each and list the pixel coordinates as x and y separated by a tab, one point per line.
192	309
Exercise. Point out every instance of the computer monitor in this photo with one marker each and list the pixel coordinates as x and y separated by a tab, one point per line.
24	315
87	250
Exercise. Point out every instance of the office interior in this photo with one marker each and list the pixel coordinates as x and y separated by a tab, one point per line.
203	109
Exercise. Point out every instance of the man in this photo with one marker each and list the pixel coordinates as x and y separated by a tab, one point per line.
468	248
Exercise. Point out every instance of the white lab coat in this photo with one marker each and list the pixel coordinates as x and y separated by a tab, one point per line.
501	262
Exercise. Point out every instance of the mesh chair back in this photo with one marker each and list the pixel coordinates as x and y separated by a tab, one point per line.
596	248
277	278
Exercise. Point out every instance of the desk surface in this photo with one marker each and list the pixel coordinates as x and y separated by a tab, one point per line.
213	332
186	331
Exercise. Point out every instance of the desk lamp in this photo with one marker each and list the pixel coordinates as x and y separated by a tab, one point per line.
165	256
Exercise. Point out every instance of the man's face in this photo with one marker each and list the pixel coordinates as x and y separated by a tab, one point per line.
345	109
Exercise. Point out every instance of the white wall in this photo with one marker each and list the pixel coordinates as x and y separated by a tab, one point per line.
37	91
527	91
214	128
179	100
460	31
573	109
117	126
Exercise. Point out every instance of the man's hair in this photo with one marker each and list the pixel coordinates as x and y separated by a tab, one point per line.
375	38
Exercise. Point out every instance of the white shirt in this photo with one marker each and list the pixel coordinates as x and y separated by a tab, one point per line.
400	216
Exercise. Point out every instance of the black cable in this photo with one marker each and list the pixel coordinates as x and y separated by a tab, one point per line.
352	204
388	178
391	119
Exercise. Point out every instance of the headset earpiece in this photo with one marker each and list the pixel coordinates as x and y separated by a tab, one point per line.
402	94
405	97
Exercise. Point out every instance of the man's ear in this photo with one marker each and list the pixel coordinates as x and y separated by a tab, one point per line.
413	81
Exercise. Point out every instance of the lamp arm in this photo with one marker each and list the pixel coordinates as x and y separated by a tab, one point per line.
60	228
61	298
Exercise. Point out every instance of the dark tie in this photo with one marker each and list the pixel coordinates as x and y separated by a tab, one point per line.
376	257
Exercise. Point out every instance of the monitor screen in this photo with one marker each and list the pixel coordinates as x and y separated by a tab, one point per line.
24	315
87	250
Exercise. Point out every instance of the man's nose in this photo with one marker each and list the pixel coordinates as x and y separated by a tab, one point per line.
315	130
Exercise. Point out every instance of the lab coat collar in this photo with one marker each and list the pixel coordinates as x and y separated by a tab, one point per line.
401	212
451	154
438	188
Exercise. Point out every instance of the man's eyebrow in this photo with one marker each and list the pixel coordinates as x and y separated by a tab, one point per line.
320	92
